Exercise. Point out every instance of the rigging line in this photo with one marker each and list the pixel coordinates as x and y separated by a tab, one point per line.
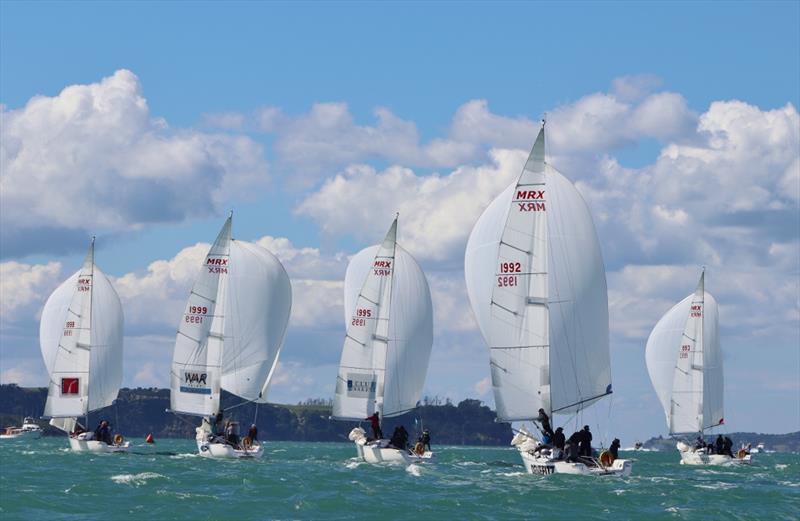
224	409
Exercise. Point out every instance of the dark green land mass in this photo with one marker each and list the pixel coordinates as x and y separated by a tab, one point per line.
141	411
138	412
789	442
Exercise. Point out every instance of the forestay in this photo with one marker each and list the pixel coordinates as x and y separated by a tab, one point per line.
684	361
80	336
389	318
536	283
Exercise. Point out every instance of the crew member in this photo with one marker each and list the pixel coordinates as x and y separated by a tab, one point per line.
252	433
727	445
585	446
544	419
103	433
559	440
426	439
614	448
375	421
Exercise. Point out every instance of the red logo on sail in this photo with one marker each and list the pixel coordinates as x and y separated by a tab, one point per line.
70	385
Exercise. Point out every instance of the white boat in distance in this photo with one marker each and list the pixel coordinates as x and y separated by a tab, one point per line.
229	337
387	347
80	335
684	359
30	430
536	282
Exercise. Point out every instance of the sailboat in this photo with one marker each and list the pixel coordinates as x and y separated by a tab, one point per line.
387	347
536	282
80	335
229	337
30	430
684	359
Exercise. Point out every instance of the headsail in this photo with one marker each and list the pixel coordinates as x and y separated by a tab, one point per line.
685	363
536	282
389	333
80	335
196	373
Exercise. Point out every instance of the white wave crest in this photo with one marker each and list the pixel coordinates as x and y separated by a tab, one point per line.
136	479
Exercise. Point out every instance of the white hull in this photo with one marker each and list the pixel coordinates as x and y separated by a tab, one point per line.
97	447
690	456
379	451
225	451
22	435
543	465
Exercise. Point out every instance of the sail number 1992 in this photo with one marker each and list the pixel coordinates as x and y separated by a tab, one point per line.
508	280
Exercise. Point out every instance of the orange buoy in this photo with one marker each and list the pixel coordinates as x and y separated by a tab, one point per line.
149	439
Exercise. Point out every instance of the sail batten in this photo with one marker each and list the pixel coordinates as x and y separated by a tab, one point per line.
536	283
387	345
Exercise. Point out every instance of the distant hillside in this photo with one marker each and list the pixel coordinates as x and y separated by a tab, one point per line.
778	442
140	411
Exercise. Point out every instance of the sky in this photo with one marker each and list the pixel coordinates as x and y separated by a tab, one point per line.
145	123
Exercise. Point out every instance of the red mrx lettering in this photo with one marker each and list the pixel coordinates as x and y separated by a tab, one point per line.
530	200
382	267
217	265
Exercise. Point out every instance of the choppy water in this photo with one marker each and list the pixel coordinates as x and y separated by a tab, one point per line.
42	480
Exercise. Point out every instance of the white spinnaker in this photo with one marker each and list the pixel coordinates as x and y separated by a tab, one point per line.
80	335
409	332
258	302
576	323
685	365
196	373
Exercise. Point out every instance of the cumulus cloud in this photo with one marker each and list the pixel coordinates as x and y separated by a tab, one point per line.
24	287
329	137
94	158
436	212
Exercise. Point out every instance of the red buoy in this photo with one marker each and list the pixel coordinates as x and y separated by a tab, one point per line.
149	439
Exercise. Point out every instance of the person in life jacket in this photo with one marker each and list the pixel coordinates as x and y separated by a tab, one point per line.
375	422
252	433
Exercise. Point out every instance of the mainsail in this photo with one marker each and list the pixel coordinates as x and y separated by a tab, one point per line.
232	328
389	318
536	282
80	335
684	360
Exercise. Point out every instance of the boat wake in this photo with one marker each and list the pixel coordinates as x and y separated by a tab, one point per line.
414	470
137	479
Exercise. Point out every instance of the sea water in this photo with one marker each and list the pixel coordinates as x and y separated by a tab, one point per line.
43	480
